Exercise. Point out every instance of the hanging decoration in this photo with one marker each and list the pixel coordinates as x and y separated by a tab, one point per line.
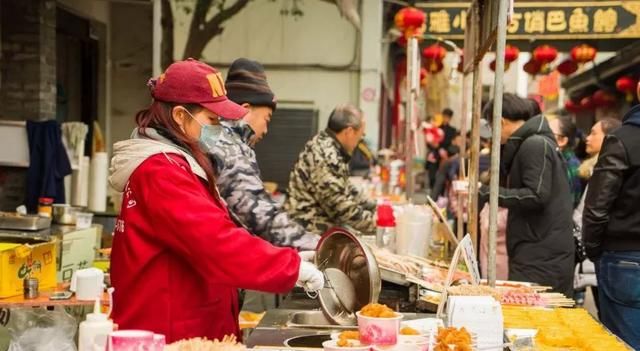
545	54
433	57
567	67
627	85
511	54
583	53
587	103
532	67
411	22
572	106
603	98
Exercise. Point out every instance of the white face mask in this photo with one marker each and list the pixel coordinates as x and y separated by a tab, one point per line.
209	133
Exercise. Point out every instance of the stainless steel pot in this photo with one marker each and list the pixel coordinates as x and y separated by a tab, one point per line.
64	214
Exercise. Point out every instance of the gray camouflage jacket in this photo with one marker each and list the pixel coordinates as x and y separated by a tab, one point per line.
320	193
239	183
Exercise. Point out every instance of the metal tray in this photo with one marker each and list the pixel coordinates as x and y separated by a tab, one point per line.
28	222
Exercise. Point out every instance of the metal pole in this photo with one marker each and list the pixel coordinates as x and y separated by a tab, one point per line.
412	90
463	151
495	146
156	66
474	162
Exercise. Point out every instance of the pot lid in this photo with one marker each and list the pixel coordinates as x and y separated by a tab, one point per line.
351	271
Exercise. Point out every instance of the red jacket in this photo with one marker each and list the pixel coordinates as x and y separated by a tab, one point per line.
178	259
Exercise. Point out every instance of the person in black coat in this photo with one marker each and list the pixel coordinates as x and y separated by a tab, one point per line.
539	227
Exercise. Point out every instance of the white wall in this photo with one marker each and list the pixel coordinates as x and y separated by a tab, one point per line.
320	37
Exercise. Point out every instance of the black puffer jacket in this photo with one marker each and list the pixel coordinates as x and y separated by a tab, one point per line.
539	228
610	220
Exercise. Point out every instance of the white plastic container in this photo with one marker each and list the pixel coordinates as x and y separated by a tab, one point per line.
93	331
84	220
379	331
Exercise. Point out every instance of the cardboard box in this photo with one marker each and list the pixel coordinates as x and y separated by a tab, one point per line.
76	251
18	261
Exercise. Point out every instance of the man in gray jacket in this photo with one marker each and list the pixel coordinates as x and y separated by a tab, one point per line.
238	175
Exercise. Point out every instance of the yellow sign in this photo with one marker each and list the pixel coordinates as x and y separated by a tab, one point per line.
545	20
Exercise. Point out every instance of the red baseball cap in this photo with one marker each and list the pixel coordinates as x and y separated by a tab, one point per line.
194	82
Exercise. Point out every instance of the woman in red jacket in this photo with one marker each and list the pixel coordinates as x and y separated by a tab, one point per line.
178	258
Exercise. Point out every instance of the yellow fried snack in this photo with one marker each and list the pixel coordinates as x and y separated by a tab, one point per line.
344	343
375	310
354	335
408	331
460	338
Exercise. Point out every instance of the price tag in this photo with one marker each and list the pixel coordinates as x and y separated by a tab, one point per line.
464	249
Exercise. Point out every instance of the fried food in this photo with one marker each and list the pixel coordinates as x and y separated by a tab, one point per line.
460	338
350	334
228	343
344	343
375	310
408	331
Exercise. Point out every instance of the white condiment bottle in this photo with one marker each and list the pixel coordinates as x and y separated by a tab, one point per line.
94	330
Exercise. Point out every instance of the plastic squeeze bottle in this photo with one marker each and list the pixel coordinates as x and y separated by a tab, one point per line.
94	330
386	228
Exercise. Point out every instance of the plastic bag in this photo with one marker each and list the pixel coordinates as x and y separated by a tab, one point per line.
36	329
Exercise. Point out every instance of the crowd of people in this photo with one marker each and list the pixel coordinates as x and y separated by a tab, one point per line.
564	221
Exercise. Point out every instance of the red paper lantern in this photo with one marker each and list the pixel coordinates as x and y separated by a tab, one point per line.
545	54
603	98
433	56
434	52
511	54
587	103
411	22
567	67
583	53
532	67
627	85
572	107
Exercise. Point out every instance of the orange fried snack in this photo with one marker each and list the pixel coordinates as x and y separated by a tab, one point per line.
375	310
453	336
408	331
350	334
344	343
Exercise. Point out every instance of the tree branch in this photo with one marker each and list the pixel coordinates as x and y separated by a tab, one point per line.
213	26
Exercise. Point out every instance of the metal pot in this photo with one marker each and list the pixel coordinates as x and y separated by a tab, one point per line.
64	214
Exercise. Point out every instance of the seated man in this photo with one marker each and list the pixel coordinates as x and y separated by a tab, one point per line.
320	194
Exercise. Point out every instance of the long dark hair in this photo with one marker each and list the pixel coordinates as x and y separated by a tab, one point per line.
568	129
159	116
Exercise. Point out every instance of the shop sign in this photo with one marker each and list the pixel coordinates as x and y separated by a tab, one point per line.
544	20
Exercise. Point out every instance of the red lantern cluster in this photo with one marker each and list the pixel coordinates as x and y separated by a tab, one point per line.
411	22
587	103
627	85
583	53
433	57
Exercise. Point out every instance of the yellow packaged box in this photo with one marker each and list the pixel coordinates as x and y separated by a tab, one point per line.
18	261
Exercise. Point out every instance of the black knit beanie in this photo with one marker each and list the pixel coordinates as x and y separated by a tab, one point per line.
247	83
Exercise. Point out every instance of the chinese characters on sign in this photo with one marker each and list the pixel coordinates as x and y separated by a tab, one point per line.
544	20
